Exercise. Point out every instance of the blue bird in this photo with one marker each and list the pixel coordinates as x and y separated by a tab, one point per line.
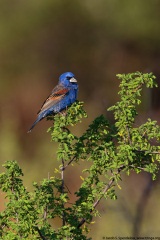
62	96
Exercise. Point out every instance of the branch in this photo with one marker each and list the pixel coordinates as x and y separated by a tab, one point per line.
141	206
108	186
62	191
64	167
46	208
40	234
154	152
141	168
129	137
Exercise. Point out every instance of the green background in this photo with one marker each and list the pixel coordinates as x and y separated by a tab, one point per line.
39	40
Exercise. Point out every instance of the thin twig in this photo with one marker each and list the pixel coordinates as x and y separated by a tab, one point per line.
46	208
68	189
64	167
62	191
154	152
40	234
137	167
45	214
13	192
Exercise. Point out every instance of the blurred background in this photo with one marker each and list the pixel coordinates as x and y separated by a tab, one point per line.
95	40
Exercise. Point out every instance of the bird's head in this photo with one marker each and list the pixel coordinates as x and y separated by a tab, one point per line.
68	79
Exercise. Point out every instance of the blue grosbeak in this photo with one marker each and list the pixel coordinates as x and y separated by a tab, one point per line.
62	96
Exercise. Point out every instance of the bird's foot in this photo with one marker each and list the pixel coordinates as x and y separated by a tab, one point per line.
63	113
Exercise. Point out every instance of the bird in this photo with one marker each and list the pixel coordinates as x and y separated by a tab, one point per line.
61	97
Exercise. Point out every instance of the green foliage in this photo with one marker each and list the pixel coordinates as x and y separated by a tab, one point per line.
108	148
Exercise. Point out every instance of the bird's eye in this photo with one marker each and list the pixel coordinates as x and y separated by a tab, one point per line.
68	78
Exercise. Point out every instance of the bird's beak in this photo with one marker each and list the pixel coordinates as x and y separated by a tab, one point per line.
73	80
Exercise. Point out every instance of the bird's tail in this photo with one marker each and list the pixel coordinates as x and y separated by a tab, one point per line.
33	125
40	117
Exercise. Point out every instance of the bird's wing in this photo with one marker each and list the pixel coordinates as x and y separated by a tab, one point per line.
56	96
